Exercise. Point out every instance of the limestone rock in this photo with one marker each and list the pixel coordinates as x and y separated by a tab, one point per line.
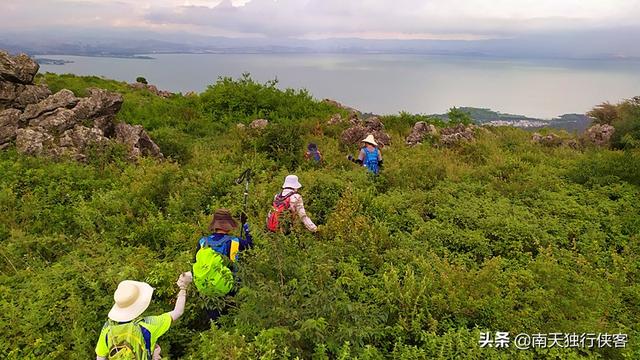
151	88
547	140
17	69
100	102
9	121
137	141
62	99
599	135
360	129
57	121
459	133
259	124
419	132
13	95
335	119
32	141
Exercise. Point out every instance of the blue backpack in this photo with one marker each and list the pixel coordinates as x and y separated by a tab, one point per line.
371	160
315	155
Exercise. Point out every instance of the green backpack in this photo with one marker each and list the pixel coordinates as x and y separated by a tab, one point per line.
211	273
126	342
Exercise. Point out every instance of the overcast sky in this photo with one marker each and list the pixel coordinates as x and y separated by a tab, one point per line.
381	19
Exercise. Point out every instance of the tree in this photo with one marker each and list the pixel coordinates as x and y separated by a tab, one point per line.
457	116
141	80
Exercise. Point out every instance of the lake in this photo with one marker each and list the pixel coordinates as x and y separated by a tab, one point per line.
387	84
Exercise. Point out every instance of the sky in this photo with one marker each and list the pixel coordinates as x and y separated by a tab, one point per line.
319	19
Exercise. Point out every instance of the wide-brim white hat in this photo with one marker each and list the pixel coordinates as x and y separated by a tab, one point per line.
371	140
292	182
131	298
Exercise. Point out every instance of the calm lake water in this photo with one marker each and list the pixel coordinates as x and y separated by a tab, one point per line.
386	84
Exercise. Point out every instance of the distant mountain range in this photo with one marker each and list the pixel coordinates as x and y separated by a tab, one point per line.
601	44
569	122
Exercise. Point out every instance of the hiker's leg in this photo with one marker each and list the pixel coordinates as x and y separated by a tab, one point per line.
156	353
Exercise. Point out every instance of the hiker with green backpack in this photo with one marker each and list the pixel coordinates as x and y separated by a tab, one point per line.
216	259
128	336
288	200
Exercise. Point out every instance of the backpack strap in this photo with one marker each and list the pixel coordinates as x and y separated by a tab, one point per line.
280	198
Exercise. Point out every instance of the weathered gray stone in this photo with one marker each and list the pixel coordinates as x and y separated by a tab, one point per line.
33	141
419	132
62	99
57	121
599	135
9	122
137	141
259	124
18	69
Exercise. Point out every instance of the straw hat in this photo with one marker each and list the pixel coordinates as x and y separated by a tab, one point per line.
292	182
131	298
370	140
222	220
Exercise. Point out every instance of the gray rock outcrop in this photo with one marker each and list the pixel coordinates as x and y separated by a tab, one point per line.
420	131
362	128
61	124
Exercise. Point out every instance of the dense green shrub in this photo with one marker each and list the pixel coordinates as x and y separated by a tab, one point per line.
495	235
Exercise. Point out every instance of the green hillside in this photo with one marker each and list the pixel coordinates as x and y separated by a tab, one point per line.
498	234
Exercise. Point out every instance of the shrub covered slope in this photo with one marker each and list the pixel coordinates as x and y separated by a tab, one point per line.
494	235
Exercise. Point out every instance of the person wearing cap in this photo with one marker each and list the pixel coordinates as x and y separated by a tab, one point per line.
370	155
296	205
220	227
132	298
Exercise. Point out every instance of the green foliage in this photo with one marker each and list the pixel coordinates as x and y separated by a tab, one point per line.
141	80
282	143
458	116
624	117
494	235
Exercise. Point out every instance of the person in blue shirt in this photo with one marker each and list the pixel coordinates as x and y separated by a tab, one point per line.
370	155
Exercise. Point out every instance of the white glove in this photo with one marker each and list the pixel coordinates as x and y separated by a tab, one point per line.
184	280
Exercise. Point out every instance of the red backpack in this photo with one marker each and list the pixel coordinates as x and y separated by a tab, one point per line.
280	204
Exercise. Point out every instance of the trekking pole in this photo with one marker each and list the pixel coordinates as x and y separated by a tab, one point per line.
246	177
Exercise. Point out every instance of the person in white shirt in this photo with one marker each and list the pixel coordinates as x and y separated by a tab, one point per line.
289	199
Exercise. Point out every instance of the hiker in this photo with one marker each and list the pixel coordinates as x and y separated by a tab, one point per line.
370	155
216	258
313	153
289	199
128	336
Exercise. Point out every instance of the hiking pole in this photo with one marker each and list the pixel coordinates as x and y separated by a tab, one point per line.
246	177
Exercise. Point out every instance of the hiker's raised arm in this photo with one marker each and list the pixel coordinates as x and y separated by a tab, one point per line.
183	282
298	205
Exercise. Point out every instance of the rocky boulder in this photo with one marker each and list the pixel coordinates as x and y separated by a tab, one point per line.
546	140
419	132
60	124
335	119
9	121
19	69
152	89
63	99
137	141
259	124
33	141
459	133
362	128
18	96
599	135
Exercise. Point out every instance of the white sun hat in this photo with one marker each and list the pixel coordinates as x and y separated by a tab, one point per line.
371	140
292	182
131	298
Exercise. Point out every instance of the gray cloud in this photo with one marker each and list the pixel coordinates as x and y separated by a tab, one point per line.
326	18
